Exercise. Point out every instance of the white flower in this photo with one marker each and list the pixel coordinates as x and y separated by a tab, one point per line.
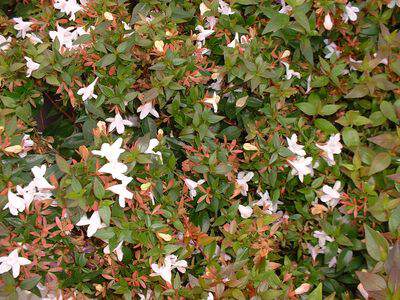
302	166
204	33
118	123
67	36
224	8
165	271
64	35
314	251
39	181
332	262
192	185
69	7
146	109
15	204
203	8
245	211
214	100
393	3
159	45
290	73
88	92
28	193
294	147
31	65
22	27
328	24
148	295
322	238
5	43
114	168
218	82
27	143
13	262
94	223
108	16
117	250
210	296
121	190
331	49
235	41
34	39
153	143
333	146
127	27
211	21
350	13
242	179
286	9
266	201
331	196
110	152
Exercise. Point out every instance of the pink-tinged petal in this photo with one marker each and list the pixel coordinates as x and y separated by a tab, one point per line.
303	288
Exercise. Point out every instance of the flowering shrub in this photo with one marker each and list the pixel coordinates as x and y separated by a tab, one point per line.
243	149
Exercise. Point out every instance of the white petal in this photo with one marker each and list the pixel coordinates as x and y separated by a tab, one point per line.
245	211
4	267
15	270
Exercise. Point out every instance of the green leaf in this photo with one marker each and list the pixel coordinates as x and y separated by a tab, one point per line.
52	80
278	21
107	60
350	137
371	282
231	132
302	19
389	111
344	259
358	91
316	294
98	188
105	233
62	164
107	91
307	108
394	221
379	163
329	109
325	126
105	214
377	245
306	50
140	10
30	283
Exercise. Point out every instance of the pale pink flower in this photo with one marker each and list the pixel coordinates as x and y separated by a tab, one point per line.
118	123
13	262
88	92
146	109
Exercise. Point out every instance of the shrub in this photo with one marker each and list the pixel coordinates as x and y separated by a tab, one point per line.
200	150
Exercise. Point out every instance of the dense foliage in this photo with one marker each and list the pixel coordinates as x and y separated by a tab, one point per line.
246	149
